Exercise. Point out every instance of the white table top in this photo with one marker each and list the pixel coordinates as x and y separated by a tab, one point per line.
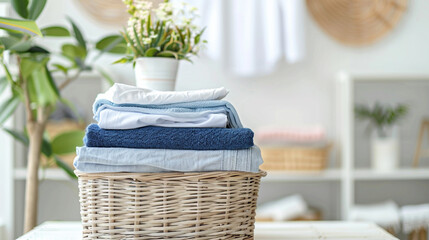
263	231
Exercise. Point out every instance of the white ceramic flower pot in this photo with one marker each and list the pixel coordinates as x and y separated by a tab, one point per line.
385	151
156	73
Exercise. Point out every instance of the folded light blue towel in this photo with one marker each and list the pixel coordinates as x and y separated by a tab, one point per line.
188	110
170	138
95	160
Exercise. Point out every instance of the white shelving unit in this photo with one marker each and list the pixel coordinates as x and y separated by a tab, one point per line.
345	84
400	174
347	175
56	174
286	176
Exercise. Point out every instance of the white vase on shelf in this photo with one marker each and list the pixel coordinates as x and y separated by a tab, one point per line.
385	149
156	73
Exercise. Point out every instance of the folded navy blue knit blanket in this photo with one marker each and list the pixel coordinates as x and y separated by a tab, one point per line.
170	138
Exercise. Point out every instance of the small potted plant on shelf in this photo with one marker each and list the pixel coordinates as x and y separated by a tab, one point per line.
385	133
158	38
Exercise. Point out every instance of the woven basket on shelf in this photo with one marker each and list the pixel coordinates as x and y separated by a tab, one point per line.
205	205
295	158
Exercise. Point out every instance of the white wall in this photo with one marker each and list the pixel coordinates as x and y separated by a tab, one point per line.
298	94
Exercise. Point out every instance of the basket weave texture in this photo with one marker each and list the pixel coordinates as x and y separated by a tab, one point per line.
207	205
295	158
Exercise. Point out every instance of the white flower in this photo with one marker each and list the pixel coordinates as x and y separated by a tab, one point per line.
147	40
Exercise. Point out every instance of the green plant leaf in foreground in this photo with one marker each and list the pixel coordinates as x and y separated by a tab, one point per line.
112	44
61	164
23	138
20	137
67	142
20	7
36	8
78	34
106	76
56	31
46	93
8	108
26	26
73	51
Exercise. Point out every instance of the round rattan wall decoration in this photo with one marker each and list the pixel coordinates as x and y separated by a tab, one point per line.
109	11
106	11
357	22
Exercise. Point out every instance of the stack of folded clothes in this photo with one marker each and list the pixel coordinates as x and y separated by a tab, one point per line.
142	130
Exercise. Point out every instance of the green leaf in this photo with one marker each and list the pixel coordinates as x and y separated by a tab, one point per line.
60	163
148	24
72	51
46	147
78	35
37	49
46	94
19	136
3	83
56	31
8	75
10	41
20	7
8	108
28	66
123	60
112	44
140	47
36	9
106	76
26	26
15	44
130	42
22	46
198	36
160	34
168	54
67	142
61	68
51	81
151	52
182	38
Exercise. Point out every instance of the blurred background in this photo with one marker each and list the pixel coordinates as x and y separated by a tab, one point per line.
295	70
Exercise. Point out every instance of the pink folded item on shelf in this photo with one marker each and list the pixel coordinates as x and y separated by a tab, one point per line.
291	135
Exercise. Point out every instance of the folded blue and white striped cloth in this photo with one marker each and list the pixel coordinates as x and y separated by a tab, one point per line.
96	160
196	109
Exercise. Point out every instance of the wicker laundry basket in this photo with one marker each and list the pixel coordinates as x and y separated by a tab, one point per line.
295	158
205	205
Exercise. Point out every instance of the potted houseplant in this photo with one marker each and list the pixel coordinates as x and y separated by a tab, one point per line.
157	39
28	69
385	133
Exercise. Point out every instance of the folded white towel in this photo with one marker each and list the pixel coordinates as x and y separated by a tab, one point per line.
122	93
414	217
114	119
283	209
385	214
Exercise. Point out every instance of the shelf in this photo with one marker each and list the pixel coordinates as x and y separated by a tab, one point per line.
400	174
393	77
281	176
303	176
44	174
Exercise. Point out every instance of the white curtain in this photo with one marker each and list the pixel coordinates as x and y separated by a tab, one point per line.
252	36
